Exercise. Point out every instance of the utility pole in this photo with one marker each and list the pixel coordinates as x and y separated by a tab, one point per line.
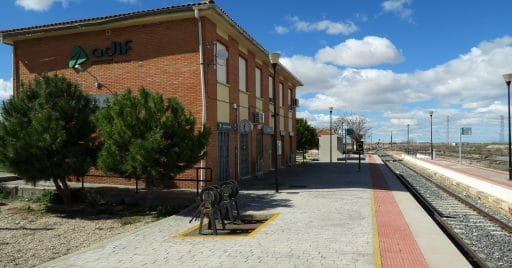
391	140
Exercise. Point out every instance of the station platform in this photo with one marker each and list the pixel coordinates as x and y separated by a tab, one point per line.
325	215
487	185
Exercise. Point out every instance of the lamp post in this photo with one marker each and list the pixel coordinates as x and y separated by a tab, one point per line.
330	134
408	143
274	59
430	113
508	78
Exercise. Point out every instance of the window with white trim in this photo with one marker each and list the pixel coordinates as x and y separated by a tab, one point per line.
280	94
257	78
222	63
242	74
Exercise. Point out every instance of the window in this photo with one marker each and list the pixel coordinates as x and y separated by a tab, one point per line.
258	82
242	74
290	97
280	95
270	88
222	62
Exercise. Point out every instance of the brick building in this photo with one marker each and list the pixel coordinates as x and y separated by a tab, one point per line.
195	52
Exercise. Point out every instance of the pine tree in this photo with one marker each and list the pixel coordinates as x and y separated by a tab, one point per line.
147	137
306	137
46	133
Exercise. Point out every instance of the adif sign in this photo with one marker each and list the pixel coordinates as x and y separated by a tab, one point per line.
115	48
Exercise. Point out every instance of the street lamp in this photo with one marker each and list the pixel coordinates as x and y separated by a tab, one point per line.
330	134
408	143
508	78
274	59
430	113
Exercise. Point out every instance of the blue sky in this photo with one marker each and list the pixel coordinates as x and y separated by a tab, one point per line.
388	60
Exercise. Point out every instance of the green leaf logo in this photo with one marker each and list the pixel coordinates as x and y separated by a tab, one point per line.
77	57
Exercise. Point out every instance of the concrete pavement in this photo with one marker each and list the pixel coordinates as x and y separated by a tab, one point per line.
328	224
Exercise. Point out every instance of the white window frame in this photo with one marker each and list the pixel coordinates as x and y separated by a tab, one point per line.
242	74
257	77
280	94
222	64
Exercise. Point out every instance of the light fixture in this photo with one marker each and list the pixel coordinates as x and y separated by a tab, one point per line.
430	113
78	68
97	84
330	134
274	59
508	79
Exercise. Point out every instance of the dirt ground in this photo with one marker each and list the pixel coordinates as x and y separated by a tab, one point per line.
31	233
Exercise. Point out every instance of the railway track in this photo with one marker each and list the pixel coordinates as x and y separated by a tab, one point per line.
483	238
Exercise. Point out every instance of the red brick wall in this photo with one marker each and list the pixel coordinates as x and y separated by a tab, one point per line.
164	57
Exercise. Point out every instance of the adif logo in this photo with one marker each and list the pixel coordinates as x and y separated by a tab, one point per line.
115	48
77	57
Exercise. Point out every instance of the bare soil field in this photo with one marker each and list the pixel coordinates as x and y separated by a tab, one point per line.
33	233
493	156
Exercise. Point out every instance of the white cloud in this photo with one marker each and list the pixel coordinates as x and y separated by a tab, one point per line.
319	76
330	27
5	88
370	51
316	120
398	7
281	29
39	5
468	88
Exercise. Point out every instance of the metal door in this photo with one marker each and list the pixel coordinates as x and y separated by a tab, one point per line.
271	151
244	155
283	158
259	154
223	155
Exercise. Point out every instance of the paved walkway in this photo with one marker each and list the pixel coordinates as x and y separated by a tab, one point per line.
480	179
497	177
326	219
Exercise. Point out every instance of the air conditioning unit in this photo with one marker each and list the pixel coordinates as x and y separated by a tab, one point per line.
259	118
271	100
296	102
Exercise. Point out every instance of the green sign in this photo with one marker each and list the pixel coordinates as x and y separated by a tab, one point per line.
77	57
465	131
221	126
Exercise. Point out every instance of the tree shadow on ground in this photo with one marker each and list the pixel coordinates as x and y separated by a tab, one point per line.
101	203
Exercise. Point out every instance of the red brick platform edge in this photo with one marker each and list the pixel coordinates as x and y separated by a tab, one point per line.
398	248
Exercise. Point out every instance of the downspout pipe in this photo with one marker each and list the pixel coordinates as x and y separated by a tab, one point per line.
203	87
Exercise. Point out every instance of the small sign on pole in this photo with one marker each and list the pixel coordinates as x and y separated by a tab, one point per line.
463	131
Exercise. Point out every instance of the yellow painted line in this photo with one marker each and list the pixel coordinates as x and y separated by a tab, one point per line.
377	258
183	234
263	225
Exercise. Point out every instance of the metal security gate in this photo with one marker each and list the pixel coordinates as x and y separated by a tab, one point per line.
223	155
244	155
